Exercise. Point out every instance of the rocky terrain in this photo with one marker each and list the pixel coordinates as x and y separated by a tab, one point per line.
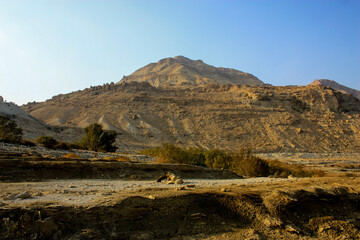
336	86
267	118
33	127
48	197
180	71
77	194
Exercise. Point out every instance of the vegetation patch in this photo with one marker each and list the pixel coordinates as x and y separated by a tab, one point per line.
9	131
71	155
242	162
96	139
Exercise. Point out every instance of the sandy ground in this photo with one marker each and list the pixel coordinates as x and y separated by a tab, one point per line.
90	191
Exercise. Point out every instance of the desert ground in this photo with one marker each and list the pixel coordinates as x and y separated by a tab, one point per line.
95	197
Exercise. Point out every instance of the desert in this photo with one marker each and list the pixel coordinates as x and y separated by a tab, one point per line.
179	120
301	181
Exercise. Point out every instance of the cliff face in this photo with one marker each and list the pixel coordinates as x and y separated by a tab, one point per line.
267	118
183	71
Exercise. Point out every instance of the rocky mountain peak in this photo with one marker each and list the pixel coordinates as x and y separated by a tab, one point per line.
336	86
180	70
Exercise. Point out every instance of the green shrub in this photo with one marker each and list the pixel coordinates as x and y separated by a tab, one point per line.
9	131
217	158
96	139
46	141
169	153
155	151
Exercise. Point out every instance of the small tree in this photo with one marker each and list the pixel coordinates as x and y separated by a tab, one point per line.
9	131
96	139
46	141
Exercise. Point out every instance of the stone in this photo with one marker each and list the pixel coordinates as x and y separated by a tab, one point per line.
198	216
292	229
181	188
225	190
272	222
23	195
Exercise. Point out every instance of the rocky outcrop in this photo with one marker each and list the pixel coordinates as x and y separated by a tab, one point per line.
180	71
336	86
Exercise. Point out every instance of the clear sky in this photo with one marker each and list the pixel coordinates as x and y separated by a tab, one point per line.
48	47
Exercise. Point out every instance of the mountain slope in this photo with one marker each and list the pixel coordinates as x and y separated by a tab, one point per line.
31	126
183	71
336	86
267	118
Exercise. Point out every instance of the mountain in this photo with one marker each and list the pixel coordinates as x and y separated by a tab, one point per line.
184	71
266	118
336	86
32	127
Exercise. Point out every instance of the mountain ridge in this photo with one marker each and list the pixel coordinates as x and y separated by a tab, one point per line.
184	71
336	86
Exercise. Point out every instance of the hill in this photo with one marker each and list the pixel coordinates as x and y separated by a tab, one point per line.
267	118
336	86
32	127
184	71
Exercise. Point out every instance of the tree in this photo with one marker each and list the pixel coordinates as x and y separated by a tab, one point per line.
96	139
9	131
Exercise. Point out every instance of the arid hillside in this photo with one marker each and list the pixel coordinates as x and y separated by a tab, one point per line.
267	118
31	126
336	86
183	71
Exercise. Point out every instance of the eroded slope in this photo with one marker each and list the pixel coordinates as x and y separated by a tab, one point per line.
309	118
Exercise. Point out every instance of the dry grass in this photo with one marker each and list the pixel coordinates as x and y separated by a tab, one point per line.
282	169
71	155
119	159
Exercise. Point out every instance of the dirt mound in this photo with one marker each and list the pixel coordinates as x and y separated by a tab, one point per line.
292	214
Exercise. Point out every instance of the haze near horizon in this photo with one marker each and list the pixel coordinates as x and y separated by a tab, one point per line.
53	47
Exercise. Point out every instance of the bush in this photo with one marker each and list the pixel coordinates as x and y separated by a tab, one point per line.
154	152
242	162
9	131
217	158
75	146
28	143
170	153
96	139
282	169
63	146
46	141
245	163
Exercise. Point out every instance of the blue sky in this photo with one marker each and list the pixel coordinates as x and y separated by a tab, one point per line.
59	46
